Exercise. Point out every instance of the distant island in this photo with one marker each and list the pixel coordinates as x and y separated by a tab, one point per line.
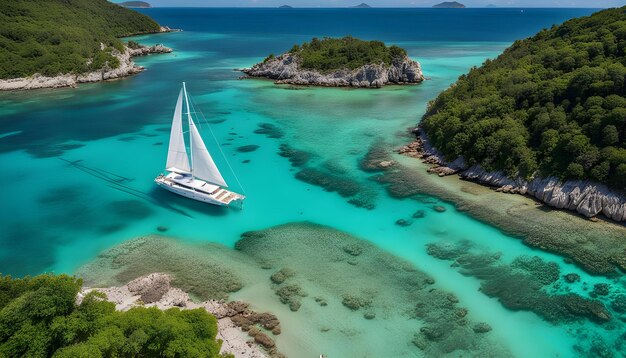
135	4
361	6
285	7
60	44
546	118
449	5
491	6
340	62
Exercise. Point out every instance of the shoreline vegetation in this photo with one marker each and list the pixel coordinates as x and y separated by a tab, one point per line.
60	44
339	62
46	316
546	118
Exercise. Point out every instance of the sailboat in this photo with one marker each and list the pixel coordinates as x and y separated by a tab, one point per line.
198	179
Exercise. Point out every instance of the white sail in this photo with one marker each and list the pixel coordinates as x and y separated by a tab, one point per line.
177	153
203	165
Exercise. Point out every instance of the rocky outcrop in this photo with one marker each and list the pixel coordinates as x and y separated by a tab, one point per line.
126	68
586	197
233	318
286	69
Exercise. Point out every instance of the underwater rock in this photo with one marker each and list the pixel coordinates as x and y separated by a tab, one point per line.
404	222
369	315
448	251
362	202
572	277
481	327
600	289
353	249
619	304
377	158
270	130
419	214
263	339
344	187
321	301
433	333
162	228
545	272
246	161
439	208
296	157
247	148
354	302
281	275
291	295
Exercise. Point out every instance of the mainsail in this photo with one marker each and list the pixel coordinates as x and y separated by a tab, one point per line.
177	159
203	165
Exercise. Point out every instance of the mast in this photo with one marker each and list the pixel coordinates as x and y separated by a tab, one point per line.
190	124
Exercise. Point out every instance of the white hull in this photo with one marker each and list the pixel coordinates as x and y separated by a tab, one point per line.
191	188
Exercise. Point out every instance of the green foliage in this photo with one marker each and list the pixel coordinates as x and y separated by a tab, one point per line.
63	36
552	104
330	54
39	318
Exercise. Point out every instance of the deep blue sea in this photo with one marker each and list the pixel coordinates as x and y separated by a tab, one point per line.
78	164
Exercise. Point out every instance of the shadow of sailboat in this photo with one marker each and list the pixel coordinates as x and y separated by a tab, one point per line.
119	182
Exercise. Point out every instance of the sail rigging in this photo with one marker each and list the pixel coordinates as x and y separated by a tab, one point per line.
177	159
202	164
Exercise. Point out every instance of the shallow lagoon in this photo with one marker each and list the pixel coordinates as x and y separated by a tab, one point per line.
82	163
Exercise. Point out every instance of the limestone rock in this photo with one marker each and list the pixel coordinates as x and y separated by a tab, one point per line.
286	69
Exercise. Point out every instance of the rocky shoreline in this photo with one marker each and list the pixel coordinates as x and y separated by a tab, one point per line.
126	68
587	198
233	318
285	69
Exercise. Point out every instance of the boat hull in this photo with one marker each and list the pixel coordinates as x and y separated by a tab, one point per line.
198	195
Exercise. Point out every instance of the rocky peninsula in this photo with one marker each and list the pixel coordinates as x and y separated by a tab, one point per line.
585	197
126	68
321	63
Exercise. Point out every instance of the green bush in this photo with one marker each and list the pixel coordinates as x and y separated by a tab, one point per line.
53	37
330	54
552	104
39	318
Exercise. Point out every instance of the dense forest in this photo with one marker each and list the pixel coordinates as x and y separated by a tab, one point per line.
53	37
330	54
552	104
39	318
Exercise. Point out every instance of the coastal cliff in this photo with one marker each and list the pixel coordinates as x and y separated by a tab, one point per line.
126	67
586	197
286	69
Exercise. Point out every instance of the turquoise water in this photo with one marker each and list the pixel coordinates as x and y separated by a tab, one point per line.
79	163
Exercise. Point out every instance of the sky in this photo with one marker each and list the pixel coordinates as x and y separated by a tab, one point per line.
387	3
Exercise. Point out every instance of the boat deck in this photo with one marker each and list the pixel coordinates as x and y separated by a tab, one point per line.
187	182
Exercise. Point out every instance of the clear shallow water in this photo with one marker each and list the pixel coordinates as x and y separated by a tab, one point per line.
82	161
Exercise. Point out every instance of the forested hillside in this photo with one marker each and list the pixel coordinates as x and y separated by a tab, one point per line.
53	37
552	104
